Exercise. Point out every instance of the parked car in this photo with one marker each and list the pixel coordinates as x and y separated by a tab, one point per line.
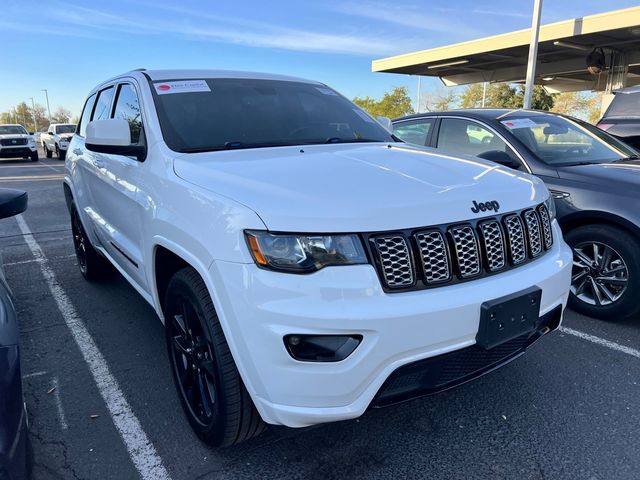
57	138
594	178
15	450
306	265
15	142
622	117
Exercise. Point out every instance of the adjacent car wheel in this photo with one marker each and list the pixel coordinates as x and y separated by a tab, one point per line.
48	153
605	281
60	153
93	266
213	396
34	156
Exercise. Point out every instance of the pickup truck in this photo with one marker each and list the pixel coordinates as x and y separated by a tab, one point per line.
307	265
16	142
57	139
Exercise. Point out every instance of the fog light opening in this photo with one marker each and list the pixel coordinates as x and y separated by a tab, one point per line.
321	348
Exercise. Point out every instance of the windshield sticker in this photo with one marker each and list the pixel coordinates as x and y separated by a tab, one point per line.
326	91
364	116
519	123
182	86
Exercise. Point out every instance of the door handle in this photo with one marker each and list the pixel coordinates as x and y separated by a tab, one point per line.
77	151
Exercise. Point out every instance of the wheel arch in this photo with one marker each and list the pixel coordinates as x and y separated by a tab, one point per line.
582	218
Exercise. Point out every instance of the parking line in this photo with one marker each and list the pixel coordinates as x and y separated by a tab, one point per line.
141	451
56	394
601	341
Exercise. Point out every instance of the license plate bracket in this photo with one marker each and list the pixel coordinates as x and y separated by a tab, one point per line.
508	317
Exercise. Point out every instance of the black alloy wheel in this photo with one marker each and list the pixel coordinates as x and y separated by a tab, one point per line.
211	391
93	266
79	241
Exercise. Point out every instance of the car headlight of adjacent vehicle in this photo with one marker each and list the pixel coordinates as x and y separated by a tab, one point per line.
551	207
298	253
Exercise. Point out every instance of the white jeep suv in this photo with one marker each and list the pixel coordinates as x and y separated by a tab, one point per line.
306	264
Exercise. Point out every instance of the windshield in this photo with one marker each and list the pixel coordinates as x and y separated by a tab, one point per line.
65	129
228	113
12	130
557	140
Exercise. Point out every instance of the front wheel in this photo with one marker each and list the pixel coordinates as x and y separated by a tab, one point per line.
213	396
60	153
47	152
34	156
605	281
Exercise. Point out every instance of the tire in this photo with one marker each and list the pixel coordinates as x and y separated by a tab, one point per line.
220	409
48	153
608	288
34	156
60	153
93	266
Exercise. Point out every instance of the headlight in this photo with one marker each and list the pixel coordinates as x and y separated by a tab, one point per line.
296	253
551	206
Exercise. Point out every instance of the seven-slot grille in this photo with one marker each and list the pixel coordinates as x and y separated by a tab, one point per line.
462	251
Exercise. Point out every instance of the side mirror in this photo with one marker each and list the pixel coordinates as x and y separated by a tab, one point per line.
31	133
112	136
501	157
12	202
385	122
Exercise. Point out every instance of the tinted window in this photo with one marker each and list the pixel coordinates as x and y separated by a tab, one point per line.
103	104
624	105
413	131
86	114
128	108
558	140
470	138
65	129
12	130
224	113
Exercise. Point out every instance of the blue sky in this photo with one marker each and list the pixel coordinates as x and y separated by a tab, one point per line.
70	46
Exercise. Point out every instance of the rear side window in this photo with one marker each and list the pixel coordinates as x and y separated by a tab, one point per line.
128	108
86	115
415	131
102	112
624	105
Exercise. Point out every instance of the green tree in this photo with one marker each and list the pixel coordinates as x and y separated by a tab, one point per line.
393	104
503	95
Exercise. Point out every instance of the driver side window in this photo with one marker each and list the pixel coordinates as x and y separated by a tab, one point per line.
457	135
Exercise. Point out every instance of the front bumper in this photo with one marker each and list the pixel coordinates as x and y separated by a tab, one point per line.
17	152
257	308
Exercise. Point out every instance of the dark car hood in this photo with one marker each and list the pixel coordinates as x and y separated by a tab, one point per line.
626	172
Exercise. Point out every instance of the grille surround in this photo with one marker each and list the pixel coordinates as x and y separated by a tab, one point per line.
13	142
500	243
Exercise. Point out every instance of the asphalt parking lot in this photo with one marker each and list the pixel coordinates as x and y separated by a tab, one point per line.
569	408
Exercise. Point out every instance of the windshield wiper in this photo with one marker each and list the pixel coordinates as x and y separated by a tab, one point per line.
234	146
630	157
349	140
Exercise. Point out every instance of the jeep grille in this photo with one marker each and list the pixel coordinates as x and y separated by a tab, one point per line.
433	256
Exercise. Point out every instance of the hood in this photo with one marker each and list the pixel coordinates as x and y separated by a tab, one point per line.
357	187
14	135
617	174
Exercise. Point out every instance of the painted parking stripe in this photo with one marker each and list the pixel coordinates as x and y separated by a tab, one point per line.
142	452
601	341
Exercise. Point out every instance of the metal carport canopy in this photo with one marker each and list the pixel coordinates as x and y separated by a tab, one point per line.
561	66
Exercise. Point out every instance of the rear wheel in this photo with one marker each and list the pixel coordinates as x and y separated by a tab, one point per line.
605	281
47	152
213	396
92	265
34	156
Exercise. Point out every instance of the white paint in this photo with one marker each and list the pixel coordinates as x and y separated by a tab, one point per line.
34	374
35	260
601	341
56	394
142	452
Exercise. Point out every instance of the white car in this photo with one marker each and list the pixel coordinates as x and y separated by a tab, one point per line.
15	142
57	139
306	265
